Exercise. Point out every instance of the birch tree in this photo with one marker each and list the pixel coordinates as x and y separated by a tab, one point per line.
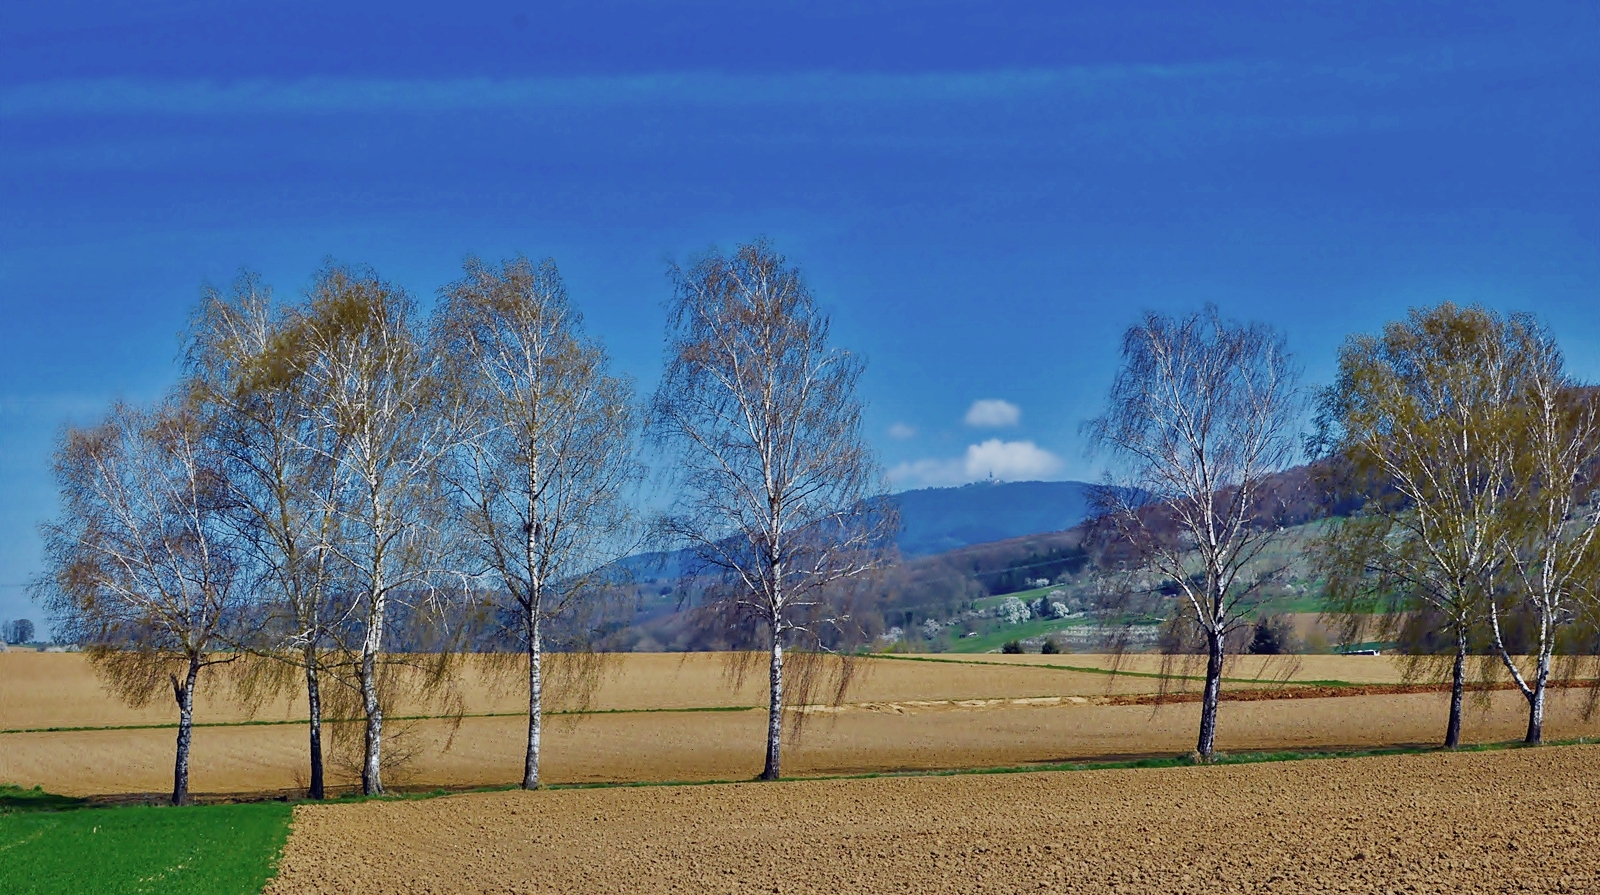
544	457
1202	411
1552	552
777	490
140	568
248	378
1420	415
382	431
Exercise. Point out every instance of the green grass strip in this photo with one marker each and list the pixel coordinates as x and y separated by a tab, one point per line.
54	845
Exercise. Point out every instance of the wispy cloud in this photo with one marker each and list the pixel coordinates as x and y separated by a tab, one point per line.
52	405
208	97
902	431
993	413
1007	461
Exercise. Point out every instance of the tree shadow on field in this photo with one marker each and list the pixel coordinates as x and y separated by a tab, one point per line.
16	800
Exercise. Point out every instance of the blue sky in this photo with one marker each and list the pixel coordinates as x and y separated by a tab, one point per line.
984	195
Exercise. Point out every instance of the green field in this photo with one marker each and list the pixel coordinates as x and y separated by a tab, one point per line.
53	845
1296	594
988	641
1026	596
1311	604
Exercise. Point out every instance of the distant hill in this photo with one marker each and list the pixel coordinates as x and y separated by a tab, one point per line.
978	542
935	520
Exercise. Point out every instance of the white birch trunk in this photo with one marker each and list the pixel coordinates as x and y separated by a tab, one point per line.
533	609
372	765
1212	696
774	709
1534	693
530	771
311	619
1458	677
314	711
1536	701
184	694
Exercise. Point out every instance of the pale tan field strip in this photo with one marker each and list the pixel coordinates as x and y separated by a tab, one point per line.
984	711
61	690
1513	821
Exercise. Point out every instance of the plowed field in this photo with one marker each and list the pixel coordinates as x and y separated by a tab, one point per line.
1518	821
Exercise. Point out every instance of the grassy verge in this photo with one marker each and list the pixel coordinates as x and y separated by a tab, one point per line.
52	844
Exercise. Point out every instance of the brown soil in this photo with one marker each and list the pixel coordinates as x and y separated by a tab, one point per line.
1488	822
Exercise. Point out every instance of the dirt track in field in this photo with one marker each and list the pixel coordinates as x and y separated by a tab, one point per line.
1518	821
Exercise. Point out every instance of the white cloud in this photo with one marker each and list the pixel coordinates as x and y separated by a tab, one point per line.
1007	461
992	413
1010	461
902	431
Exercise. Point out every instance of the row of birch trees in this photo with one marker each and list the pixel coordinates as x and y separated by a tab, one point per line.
1468	454
1476	457
344	491
339	489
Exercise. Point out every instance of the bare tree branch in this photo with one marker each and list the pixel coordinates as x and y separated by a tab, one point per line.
544	458
379	422
779	495
1201	413
141	567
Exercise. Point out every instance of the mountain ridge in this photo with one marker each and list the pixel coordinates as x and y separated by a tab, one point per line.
937	520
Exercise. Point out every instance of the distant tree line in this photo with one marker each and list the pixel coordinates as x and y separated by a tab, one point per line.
17	630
